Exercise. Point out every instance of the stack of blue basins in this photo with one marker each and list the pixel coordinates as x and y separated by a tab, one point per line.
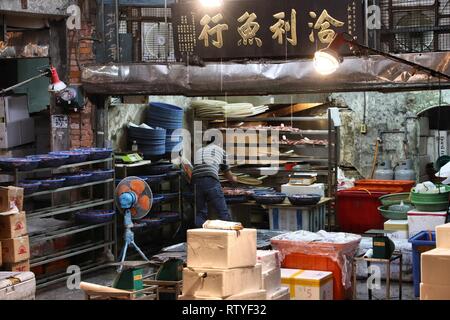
173	142
151	142
169	117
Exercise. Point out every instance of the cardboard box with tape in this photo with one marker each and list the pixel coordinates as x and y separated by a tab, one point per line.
17	267
11	198
15	250
435	267
434	292
308	284
443	236
13	225
221	249
221	283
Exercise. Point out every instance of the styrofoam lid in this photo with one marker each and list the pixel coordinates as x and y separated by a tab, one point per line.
427	213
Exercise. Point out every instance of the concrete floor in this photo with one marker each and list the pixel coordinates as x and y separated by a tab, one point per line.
61	292
105	277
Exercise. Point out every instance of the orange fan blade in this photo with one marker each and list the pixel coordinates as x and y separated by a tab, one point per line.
138	186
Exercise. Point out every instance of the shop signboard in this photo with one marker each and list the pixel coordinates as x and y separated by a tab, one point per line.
262	29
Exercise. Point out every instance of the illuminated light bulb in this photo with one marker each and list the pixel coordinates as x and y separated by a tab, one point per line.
326	61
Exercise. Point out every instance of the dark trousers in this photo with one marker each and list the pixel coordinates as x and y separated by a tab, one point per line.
208	190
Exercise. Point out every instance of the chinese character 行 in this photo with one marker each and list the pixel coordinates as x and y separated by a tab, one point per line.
323	23
248	30
281	27
208	31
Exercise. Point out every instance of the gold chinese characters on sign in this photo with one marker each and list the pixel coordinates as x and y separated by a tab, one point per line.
285	28
248	30
282	27
216	30
323	24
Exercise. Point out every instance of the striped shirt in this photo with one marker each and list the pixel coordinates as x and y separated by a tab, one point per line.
209	161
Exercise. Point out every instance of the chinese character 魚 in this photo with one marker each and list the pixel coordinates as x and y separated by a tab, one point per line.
281	27
208	31
248	30
323	23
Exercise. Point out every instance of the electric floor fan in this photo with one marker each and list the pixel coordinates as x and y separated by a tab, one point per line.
134	199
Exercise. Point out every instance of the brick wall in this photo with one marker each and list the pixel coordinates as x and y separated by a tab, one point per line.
81	52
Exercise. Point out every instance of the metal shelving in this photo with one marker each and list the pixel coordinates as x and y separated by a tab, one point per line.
78	186
66	166
53	234
253	162
96	194
57	210
74	251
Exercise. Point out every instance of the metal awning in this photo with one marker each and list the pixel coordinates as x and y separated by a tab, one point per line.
374	73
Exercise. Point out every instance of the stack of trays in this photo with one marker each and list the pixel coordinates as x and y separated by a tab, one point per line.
150	141
169	117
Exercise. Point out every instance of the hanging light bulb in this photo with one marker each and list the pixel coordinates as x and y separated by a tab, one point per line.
326	61
211	3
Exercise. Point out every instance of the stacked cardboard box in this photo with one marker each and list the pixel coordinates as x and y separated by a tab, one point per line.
271	274
435	266
15	248
308	284
221	265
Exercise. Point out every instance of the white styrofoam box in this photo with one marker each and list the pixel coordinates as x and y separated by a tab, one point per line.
269	259
424	126
435	266
221	249
293	219
423	146
17	286
443	236
308	284
190	298
14	108
248	295
221	283
16	133
281	294
423	221
271	280
399	226
316	188
434	292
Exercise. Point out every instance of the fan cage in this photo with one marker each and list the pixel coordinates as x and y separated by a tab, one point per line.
137	21
410	26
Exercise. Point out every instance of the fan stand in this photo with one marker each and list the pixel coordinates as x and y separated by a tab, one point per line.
127	200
